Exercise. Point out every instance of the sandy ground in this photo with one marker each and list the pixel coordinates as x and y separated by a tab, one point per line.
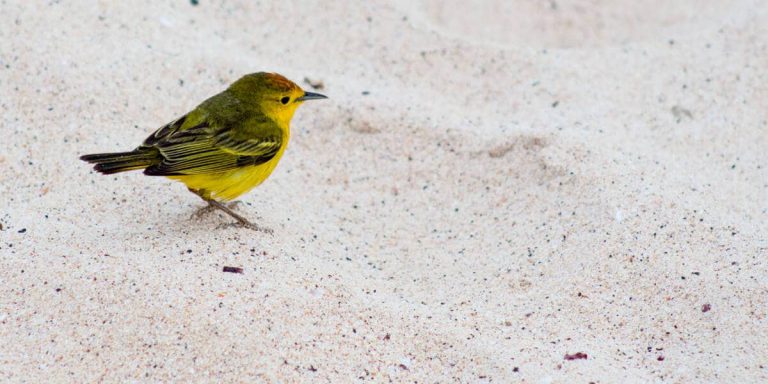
491	187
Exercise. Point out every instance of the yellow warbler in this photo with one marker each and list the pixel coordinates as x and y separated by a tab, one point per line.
224	147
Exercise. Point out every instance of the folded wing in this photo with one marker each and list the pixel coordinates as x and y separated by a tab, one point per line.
204	148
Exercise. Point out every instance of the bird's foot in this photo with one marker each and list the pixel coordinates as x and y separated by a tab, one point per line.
249	225
241	221
200	213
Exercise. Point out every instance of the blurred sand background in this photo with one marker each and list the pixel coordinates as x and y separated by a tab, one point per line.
491	187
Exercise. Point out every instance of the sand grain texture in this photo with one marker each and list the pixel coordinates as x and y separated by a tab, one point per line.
491	187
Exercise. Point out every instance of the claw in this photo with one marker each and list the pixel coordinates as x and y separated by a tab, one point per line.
242	222
250	226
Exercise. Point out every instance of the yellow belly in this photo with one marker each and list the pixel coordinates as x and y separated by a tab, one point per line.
229	185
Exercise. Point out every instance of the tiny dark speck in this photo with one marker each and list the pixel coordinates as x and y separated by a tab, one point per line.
706	307
576	356
58	289
312	368
366	93
555	104
22	230
733	166
189	251
660	358
515	369
233	270
193	2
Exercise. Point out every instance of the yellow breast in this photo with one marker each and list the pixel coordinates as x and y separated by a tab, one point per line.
229	185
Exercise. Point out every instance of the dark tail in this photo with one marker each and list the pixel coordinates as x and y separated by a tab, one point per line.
109	163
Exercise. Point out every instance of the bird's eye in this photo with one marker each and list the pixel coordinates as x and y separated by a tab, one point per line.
285	100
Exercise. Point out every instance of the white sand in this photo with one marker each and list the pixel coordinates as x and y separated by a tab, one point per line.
522	182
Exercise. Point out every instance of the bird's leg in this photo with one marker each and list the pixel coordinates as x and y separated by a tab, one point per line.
213	204
204	210
210	208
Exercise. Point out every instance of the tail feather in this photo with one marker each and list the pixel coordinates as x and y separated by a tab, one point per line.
109	163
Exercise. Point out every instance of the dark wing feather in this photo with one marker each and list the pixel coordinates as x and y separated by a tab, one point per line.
164	132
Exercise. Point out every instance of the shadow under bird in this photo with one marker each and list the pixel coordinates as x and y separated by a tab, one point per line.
224	147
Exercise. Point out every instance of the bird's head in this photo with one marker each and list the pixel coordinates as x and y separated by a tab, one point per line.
276	96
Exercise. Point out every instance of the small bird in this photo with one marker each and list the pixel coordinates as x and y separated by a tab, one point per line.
224	147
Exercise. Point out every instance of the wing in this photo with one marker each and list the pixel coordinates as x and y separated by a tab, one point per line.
163	133
193	146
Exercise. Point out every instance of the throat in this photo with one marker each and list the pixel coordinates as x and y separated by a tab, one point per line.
283	117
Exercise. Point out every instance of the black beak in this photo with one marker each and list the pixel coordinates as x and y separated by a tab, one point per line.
311	96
